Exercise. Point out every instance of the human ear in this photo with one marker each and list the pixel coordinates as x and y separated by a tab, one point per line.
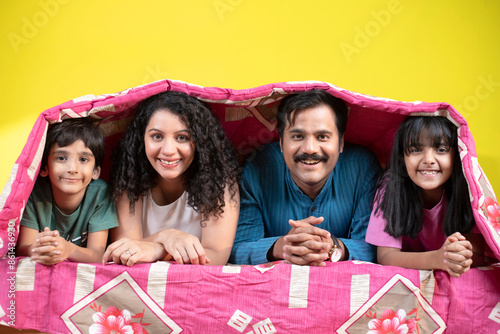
341	145
44	171
96	173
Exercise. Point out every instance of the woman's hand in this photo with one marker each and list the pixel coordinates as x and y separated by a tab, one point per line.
183	247
128	252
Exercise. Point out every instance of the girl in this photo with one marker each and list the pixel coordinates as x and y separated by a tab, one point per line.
175	184
422	198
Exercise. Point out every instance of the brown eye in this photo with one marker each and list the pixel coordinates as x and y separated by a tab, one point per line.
183	138
157	136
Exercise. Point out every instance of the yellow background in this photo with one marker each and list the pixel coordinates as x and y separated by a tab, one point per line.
54	50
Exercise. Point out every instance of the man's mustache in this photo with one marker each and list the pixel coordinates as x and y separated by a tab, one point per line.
304	156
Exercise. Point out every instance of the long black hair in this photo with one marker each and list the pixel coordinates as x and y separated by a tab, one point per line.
214	166
400	199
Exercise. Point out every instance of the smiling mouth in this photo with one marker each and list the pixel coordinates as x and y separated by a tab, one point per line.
310	162
71	180
169	162
429	172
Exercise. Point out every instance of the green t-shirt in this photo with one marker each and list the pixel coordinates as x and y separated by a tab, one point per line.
96	212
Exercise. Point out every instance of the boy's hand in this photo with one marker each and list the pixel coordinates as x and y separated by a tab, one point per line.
50	248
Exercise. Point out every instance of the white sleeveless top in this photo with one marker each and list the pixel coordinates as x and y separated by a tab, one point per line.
177	215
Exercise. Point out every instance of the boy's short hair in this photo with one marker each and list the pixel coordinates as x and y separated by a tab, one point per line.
70	130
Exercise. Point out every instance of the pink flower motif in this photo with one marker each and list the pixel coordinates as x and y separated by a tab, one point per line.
392	323
493	213
114	321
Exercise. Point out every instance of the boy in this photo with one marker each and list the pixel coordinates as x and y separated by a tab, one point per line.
69	210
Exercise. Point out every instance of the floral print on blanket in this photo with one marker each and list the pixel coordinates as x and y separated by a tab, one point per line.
392	323
493	213
114	321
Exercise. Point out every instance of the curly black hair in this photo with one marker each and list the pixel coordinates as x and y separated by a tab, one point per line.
214	166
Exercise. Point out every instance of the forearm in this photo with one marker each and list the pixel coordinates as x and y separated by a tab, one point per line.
413	260
85	255
26	241
276	249
24	250
218	257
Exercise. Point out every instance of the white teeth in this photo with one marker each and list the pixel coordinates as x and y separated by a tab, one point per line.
429	172
310	162
169	162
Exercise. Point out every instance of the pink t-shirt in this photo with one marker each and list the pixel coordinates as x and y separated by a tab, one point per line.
431	237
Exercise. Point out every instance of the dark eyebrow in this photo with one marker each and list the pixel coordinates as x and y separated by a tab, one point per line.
62	151
157	130
154	129
318	132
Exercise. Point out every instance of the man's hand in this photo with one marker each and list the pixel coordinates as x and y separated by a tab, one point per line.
305	244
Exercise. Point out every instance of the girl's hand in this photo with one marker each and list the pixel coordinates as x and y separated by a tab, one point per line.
183	247
457	254
128	252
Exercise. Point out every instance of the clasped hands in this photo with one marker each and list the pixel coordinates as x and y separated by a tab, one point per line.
50	248
456	253
305	244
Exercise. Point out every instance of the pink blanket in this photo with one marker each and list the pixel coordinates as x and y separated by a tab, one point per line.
347	297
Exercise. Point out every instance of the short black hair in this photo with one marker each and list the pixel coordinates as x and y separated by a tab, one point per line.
310	99
70	130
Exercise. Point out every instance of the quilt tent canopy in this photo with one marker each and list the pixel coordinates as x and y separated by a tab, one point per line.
163	297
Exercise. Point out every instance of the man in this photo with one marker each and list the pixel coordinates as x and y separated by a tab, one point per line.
310	202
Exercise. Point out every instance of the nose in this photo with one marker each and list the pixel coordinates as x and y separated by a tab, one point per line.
310	145
429	158
73	166
168	147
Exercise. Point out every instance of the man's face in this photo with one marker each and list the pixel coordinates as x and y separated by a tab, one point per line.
311	147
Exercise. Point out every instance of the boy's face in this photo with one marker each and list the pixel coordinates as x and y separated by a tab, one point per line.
70	169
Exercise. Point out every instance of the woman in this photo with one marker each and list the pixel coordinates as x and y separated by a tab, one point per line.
175	184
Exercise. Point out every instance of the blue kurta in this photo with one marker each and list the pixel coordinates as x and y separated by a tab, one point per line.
270	197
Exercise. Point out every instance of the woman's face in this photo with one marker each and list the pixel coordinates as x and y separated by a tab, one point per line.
169	145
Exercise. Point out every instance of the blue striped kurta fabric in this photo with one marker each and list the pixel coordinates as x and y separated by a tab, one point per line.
270	197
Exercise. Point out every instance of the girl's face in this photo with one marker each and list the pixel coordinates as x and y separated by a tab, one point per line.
168	144
429	167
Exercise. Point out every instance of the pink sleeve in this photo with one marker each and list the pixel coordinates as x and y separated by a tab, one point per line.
376	236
